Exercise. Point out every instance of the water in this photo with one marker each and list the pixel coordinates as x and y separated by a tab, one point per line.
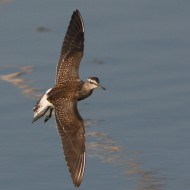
137	131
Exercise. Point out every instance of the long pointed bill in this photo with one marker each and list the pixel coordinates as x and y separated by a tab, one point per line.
102	87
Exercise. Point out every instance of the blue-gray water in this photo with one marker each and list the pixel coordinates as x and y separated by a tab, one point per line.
138	131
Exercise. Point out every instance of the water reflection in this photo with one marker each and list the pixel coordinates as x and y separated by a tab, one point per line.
150	181
146	180
99	144
17	79
96	61
43	29
108	150
104	147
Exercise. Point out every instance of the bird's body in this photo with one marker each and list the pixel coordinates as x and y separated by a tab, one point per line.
63	98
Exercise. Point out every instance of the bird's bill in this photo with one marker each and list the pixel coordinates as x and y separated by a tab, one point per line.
102	87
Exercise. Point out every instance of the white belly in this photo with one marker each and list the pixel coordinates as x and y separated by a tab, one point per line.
42	105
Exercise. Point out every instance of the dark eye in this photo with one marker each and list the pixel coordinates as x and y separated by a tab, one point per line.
91	82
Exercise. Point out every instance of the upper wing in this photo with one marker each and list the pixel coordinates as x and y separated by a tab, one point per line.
71	130
72	50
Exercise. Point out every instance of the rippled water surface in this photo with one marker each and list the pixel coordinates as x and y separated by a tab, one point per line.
137	131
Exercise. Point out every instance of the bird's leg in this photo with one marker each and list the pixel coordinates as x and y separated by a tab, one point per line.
49	115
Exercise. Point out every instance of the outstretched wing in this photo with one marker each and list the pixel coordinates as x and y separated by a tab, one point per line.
71	130
72	50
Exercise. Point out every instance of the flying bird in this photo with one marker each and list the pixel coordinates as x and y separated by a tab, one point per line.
63	98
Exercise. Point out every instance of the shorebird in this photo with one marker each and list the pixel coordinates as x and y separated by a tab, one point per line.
63	98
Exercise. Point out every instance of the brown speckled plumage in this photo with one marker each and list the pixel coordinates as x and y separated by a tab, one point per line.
72	50
63	97
70	127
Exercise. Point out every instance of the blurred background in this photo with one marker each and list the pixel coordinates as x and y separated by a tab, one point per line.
137	131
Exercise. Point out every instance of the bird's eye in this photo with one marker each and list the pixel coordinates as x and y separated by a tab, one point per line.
92	82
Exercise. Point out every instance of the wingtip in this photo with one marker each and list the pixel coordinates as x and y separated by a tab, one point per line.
77	184
78	14
77	11
78	177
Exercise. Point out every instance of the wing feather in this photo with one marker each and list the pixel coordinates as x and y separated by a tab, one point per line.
72	50
71	130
